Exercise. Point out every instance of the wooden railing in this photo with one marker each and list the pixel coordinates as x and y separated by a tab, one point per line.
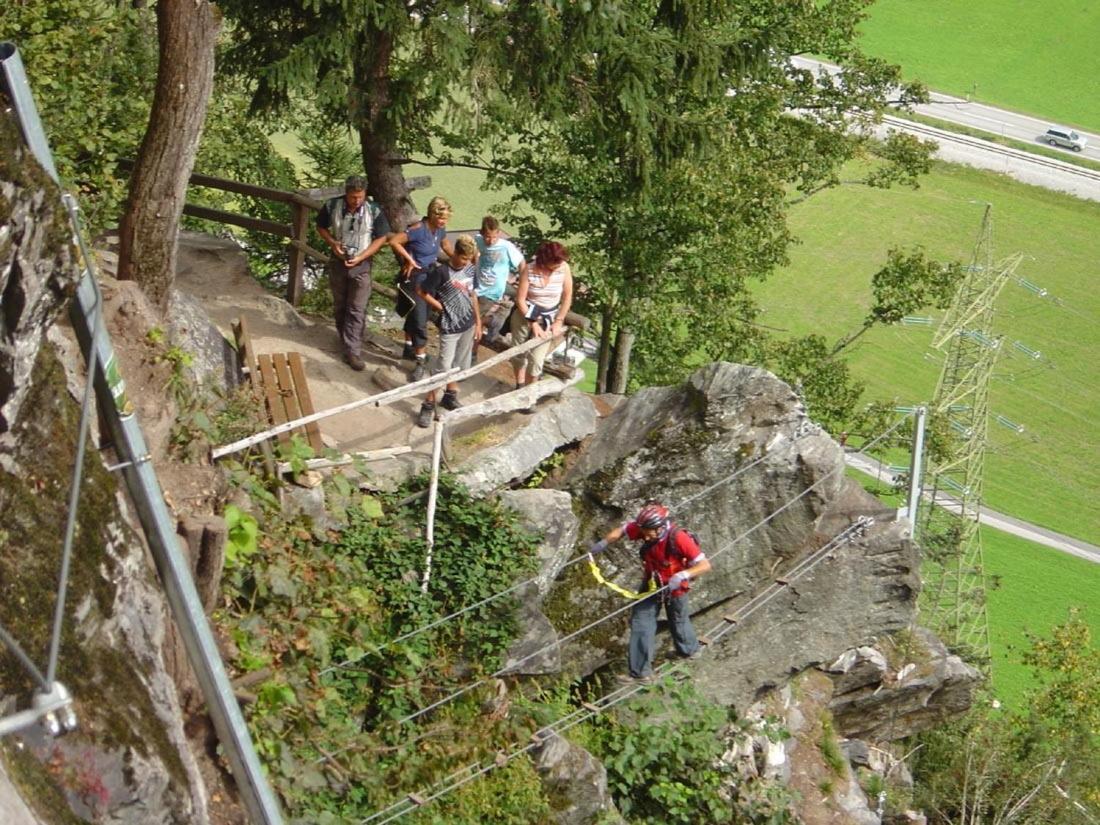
302	203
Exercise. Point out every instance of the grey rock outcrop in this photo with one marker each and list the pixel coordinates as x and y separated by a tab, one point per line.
856	668
214	361
536	650
734	456
36	265
553	425
129	761
576	783
940	687
550	514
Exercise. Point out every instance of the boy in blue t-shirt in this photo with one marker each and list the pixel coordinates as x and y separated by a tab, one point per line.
498	258
448	289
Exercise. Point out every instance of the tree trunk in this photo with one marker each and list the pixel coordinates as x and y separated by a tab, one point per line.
620	373
603	364
187	31
372	98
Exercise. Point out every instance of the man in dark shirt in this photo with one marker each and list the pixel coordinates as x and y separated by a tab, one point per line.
354	229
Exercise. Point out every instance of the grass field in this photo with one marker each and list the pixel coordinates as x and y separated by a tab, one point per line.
1035	589
1047	474
1035	57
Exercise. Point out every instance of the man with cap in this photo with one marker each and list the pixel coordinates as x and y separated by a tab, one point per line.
671	559
354	229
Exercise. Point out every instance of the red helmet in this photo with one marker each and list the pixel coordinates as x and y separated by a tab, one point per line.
653	516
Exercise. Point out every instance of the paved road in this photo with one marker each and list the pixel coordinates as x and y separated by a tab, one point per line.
999	122
1038	170
991	518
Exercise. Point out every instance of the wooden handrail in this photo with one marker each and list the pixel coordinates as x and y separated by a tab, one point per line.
283	230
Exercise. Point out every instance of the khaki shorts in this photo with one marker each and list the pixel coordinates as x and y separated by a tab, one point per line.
534	359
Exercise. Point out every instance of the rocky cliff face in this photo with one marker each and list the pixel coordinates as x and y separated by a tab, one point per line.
733	454
129	761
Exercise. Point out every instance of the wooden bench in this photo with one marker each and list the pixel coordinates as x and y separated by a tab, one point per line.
281	381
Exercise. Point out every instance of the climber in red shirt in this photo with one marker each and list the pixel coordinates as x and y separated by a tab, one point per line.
670	556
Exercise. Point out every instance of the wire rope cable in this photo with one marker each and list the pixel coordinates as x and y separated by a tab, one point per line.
496	674
78	468
25	660
582	557
474	771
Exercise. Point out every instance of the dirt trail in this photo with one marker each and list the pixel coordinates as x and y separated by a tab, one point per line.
215	272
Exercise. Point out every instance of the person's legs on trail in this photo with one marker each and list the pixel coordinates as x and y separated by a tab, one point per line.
643	632
338	283
679	624
357	296
520	333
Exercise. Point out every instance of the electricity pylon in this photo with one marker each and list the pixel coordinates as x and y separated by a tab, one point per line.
954	602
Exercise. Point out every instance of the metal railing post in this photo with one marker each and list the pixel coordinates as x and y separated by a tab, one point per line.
916	465
156	521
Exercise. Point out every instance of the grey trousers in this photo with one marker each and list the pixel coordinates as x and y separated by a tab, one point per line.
350	295
643	631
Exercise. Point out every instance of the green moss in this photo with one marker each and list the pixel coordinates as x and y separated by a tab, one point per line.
112	700
830	750
36	786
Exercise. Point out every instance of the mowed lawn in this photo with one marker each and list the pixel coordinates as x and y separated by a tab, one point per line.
1036	57
1049	473
1036	587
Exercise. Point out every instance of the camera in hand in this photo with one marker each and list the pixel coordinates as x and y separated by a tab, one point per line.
350	252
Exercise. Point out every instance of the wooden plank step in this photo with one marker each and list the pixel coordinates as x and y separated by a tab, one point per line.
270	385
305	401
245	351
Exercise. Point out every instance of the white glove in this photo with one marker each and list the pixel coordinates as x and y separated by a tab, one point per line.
678	580
598	547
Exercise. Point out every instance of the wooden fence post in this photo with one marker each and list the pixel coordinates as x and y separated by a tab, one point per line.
299	227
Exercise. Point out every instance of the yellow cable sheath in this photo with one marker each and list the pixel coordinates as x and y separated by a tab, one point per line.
622	591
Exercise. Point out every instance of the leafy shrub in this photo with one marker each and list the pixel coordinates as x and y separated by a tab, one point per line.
663	764
322	608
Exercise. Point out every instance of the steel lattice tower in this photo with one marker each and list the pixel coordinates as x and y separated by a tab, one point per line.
954	603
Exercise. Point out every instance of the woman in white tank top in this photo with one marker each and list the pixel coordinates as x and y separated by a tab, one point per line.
543	298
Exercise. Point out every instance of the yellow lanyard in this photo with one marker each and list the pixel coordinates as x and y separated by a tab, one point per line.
622	591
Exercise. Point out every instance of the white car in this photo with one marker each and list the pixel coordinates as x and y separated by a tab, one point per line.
1063	136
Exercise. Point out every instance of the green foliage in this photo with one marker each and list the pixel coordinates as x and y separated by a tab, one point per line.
91	67
1035	763
662	753
328	148
830	749
322	607
660	237
242	531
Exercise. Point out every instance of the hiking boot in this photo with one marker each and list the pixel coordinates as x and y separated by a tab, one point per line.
450	401
628	679
695	654
355	362
419	371
408	353
427	413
